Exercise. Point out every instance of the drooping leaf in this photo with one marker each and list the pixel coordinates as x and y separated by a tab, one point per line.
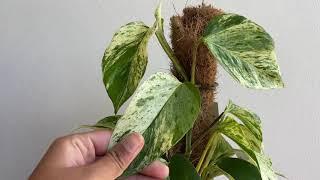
162	110
105	123
247	117
248	136
125	60
239	169
245	50
182	169
239	134
265	166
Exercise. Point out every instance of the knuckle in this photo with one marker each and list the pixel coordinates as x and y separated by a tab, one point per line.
61	141
117	159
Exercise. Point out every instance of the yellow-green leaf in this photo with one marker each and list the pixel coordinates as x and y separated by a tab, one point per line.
125	60
245	50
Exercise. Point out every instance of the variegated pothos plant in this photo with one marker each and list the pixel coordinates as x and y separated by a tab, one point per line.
163	109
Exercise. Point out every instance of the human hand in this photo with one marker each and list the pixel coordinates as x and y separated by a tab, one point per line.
84	157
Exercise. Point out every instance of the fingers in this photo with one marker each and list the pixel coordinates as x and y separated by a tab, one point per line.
118	158
100	140
156	169
141	177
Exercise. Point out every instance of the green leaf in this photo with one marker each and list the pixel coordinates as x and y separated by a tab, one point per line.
245	50
162	110
125	60
105	123
239	169
182	169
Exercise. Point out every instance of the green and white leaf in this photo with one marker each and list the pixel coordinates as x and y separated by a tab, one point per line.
181	168
162	110
245	50
247	117
125	60
239	134
248	136
105	123
265	166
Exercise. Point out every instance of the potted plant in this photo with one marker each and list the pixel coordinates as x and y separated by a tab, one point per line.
176	113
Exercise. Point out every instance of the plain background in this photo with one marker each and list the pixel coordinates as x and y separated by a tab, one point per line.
50	55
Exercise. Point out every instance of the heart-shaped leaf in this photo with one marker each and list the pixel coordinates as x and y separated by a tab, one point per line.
182	169
239	169
125	60
245	50
162	110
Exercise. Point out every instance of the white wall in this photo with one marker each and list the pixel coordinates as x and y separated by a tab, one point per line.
50	54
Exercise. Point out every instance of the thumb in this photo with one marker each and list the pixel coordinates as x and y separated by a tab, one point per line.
118	158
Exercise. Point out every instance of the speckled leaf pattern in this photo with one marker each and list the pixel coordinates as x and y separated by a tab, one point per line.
248	118
239	134
244	128
125	61
265	166
162	110
245	50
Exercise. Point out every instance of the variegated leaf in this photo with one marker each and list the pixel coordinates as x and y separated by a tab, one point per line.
125	60
265	166
239	134
245	50
247	117
162	110
248	136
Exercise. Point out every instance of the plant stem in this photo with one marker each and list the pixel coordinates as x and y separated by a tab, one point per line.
194	61
211	151
204	155
211	128
193	69
188	144
164	44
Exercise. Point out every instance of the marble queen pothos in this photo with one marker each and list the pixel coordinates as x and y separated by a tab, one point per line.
177	114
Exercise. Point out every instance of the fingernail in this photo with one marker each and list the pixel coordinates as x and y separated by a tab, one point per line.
133	142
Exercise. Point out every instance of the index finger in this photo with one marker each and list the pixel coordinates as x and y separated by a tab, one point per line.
100	140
